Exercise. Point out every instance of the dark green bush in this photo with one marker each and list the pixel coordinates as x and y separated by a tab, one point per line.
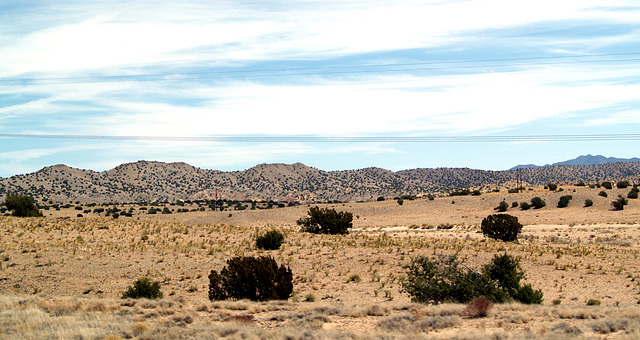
564	201
445	279
603	193
607	185
538	202
22	206
619	203
501	227
588	203
253	278
326	221
633	194
143	288
552	186
524	206
502	207
271	240
514	204
623	184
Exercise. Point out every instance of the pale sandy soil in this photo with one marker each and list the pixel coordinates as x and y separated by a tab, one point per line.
573	254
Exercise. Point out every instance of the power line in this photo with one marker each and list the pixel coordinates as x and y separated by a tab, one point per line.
328	70
338	139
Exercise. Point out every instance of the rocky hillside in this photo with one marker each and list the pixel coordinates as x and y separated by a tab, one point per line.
145	181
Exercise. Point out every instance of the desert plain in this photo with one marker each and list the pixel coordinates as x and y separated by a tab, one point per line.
63	276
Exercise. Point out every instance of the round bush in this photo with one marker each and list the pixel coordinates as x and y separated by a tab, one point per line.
501	227
271	240
143	288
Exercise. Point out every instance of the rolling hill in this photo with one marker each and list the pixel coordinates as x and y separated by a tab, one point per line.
146	181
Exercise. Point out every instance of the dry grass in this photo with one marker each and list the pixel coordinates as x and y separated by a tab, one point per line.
62	278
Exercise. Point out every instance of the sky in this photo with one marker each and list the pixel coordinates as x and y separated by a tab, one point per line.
337	85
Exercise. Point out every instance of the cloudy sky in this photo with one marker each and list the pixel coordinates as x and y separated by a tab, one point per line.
226	85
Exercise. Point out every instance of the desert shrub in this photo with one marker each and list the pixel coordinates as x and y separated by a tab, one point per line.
22	206
526	294
538	202
502	207
143	288
271	240
588	203
514	204
380	199
623	184
564	201
607	185
478	307
445	279
501	227
581	184
603	193
552	186
400	201
619	203
524	206
253	278
326	221
633	194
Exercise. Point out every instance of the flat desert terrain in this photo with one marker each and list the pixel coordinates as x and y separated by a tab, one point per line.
62	276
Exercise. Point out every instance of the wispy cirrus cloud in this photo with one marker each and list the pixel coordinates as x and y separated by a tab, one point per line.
198	68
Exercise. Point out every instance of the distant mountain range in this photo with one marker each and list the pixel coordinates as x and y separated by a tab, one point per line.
581	160
146	181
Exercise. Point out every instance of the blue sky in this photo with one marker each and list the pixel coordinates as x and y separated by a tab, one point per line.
161	80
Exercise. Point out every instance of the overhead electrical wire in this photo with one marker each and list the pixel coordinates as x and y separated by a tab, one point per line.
339	139
329	70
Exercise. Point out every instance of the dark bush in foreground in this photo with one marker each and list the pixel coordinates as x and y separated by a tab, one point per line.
253	278
326	221
633	194
588	203
143	288
501	227
22	206
603	193
445	279
271	240
524	206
